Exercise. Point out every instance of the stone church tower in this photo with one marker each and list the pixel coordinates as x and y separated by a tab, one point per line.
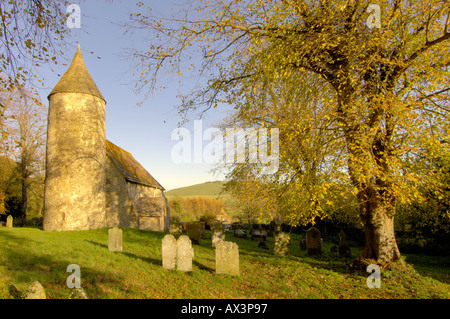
74	193
90	182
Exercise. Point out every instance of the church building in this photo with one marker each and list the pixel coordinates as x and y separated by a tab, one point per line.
90	182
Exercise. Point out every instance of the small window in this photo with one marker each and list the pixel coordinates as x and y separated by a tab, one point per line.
62	217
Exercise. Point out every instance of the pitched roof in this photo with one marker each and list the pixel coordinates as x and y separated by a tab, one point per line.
77	79
129	167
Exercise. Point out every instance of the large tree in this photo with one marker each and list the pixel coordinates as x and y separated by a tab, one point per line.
389	82
25	123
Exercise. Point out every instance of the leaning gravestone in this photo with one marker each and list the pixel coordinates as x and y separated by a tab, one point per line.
9	221
281	247
343	249
217	236
313	241
115	239
36	291
227	258
194	232
169	252
185	253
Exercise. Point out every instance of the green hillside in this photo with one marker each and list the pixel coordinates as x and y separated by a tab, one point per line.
208	189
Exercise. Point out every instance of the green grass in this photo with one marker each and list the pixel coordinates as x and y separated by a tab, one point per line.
28	254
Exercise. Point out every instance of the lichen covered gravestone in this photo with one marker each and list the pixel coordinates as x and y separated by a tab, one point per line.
36	291
227	258
313	241
281	247
185	253
9	221
78	293
115	239
169	252
217	235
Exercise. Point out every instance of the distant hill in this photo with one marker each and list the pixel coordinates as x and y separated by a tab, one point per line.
208	189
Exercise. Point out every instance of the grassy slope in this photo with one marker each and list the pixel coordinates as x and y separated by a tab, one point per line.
28	254
208	189
212	190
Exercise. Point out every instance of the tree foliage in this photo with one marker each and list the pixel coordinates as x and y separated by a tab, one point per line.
195	208
24	122
32	33
379	96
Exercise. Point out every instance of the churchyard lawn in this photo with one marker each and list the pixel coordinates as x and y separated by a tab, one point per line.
29	254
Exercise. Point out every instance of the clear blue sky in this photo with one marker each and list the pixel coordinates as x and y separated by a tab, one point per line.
143	131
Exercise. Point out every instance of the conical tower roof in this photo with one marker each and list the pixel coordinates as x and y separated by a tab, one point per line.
77	79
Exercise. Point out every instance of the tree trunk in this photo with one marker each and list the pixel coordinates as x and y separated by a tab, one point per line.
377	214
24	193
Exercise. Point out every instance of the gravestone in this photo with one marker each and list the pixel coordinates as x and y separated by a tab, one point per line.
78	293
9	221
36	291
239	233
303	244
281	247
313	241
194	232
217	236
344	250
185	253
115	239
227	258
215	223
259	234
174	229
169	252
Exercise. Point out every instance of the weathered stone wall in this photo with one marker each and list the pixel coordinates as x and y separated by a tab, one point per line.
122	202
75	164
120	210
151	223
155	223
138	190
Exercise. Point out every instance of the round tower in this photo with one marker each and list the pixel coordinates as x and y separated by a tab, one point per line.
74	189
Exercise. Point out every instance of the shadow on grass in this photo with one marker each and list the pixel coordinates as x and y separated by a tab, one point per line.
156	262
436	267
327	261
202	266
25	265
